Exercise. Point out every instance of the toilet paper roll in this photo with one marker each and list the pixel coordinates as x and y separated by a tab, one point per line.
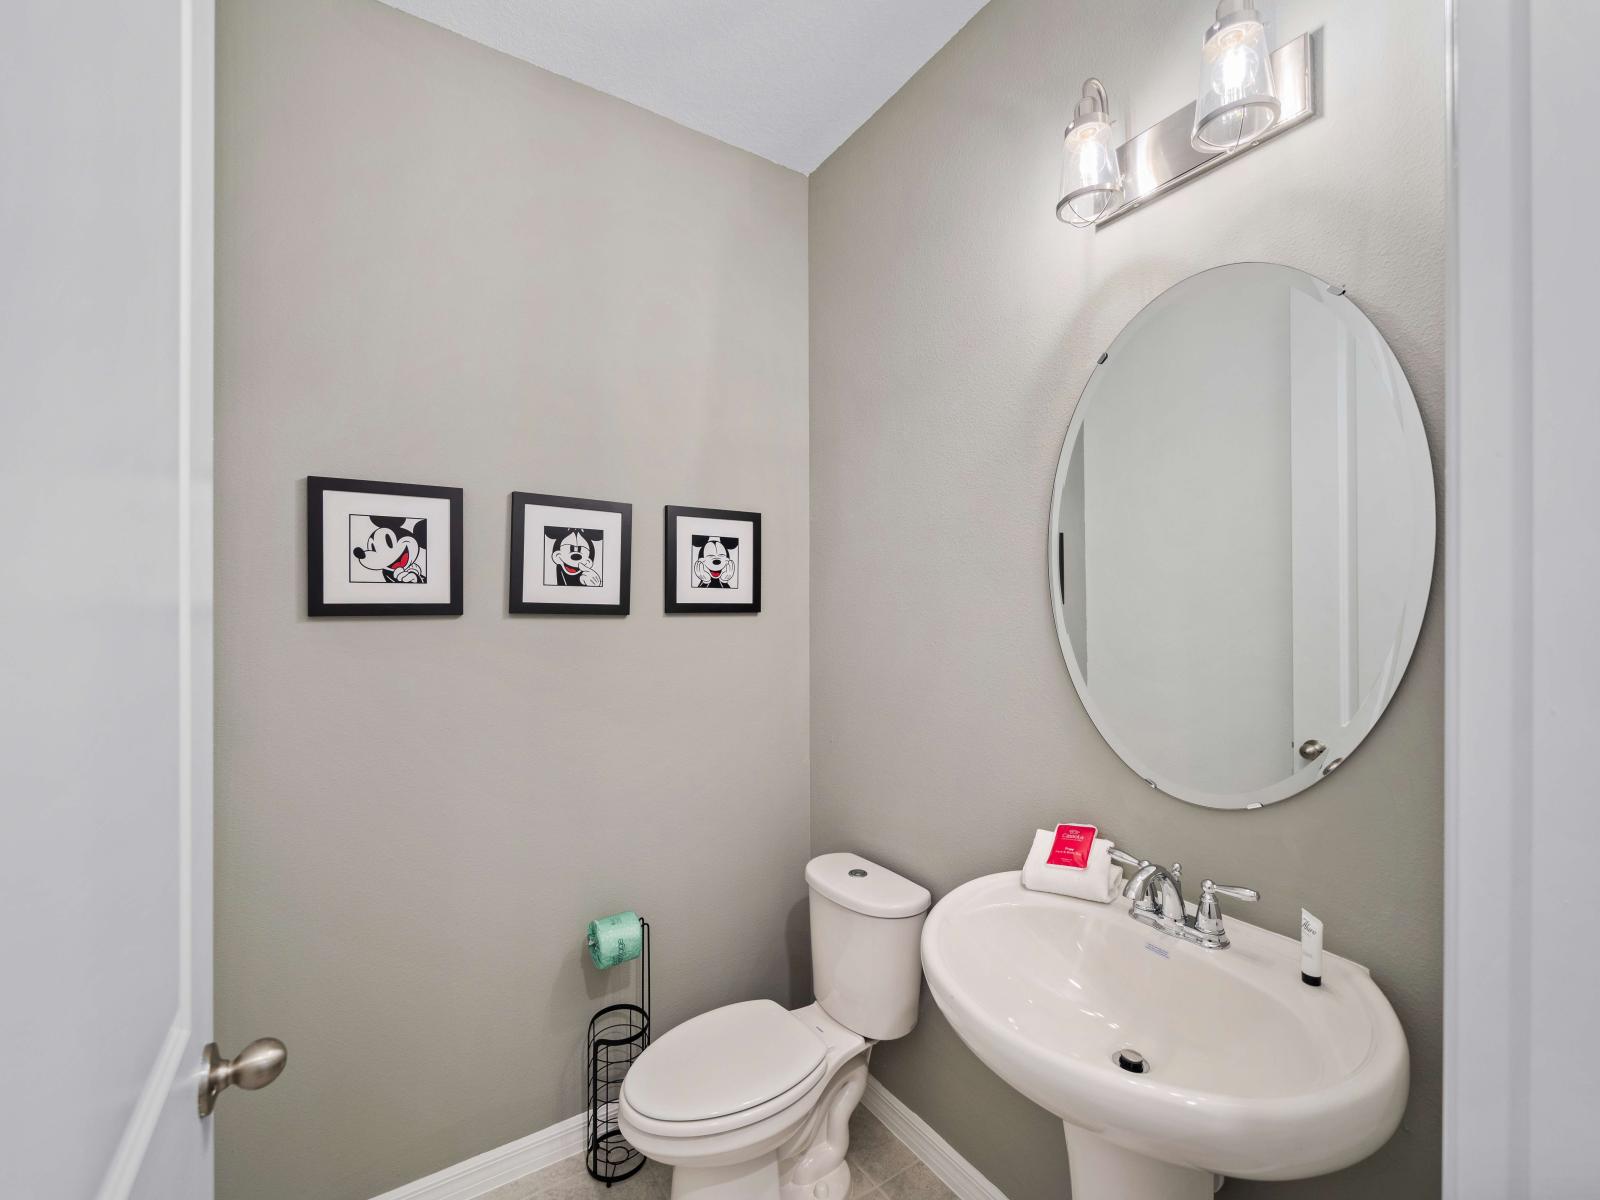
615	939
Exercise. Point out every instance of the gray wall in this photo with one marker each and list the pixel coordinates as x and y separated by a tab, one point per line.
440	265
954	322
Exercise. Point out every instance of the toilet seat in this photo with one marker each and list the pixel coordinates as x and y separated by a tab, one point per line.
784	1109
754	1135
724	1070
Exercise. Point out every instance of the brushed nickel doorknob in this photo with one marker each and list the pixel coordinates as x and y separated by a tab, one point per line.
1312	749
257	1065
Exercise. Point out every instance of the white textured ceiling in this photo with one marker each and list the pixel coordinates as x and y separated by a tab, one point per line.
789	80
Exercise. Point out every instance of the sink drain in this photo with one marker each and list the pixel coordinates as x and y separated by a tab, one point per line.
1131	1061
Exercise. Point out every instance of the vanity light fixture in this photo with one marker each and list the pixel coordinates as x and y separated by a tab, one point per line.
1091	178
1247	98
1237	101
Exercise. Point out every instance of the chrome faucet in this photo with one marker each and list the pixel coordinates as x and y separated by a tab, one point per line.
1157	895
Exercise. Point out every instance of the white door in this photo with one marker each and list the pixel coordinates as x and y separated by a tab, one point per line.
105	597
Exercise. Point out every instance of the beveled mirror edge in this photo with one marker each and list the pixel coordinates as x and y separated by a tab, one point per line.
1418	590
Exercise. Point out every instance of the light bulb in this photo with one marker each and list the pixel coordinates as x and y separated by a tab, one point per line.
1091	179
1237	101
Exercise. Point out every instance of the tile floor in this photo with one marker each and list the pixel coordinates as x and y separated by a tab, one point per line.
881	1168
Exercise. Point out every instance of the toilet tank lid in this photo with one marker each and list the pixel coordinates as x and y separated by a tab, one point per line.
864	887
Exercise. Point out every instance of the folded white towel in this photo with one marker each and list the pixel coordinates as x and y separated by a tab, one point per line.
1100	881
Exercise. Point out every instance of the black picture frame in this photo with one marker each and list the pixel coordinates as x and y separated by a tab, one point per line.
317	603
750	562
517	599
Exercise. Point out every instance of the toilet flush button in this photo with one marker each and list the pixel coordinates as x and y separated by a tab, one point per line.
857	873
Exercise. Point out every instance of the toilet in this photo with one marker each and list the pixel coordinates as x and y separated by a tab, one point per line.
753	1102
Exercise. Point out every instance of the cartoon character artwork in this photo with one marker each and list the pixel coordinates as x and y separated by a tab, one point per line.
715	561
575	556
381	549
570	556
712	560
388	549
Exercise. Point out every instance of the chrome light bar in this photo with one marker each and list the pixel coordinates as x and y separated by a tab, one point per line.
1160	159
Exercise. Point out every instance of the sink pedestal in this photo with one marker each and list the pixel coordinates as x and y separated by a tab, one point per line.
1103	1171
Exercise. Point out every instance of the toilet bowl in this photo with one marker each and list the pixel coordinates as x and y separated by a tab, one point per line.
753	1102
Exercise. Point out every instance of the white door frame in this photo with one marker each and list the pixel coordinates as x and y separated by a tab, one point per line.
1522	808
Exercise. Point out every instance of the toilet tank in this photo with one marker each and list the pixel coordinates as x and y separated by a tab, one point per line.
866	935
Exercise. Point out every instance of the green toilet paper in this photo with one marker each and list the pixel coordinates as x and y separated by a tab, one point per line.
615	939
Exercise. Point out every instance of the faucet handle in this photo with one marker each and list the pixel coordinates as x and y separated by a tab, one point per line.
1124	859
1208	914
1224	889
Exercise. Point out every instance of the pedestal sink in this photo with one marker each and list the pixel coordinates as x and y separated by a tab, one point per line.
1247	1071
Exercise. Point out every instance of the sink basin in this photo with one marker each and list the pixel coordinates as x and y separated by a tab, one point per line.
1249	1071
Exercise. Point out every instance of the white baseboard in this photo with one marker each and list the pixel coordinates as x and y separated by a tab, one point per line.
506	1164
500	1166
955	1172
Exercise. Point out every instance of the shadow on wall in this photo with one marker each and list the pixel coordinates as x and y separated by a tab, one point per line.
797	943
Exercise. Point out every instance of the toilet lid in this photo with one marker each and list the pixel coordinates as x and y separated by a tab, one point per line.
723	1062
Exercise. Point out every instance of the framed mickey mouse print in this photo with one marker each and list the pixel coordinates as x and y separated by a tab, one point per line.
382	549
713	560
570	557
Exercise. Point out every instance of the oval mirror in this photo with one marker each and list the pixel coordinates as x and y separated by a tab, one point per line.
1242	535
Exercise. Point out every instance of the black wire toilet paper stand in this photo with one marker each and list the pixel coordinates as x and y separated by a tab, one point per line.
618	1034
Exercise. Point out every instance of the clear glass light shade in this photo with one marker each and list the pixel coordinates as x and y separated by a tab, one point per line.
1237	102
1091	180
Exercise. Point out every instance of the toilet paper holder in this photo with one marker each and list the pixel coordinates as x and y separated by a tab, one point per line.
618	1034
